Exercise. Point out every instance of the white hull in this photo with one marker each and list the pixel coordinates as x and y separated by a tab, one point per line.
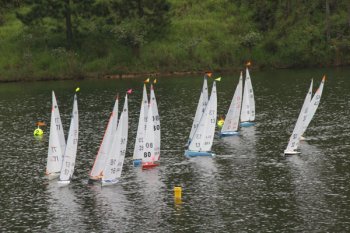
52	176
63	182
109	182
291	152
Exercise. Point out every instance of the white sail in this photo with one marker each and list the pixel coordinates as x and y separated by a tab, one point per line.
138	149
57	142
202	103
106	143
295	137
114	163
156	123
151	146
232	116
248	102
204	135
313	106
58	122
54	156
72	145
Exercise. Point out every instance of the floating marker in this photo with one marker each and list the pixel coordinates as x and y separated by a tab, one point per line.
155	81
218	79
221	123
146	81
38	132
177	192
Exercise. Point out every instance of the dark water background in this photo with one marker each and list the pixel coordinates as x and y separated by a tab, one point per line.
250	186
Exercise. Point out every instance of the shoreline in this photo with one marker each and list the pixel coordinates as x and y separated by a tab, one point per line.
149	74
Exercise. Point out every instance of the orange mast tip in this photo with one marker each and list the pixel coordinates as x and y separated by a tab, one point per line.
248	63
40	123
209	74
324	77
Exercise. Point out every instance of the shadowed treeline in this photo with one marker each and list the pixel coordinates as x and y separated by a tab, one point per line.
57	39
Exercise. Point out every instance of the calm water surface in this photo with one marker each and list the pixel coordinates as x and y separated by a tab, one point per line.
250	186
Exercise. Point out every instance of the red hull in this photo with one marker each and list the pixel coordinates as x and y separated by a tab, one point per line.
149	165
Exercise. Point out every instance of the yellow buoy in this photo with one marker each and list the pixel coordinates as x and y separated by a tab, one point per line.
38	132
177	195
177	192
221	123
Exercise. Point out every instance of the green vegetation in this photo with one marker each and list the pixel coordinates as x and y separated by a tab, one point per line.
57	39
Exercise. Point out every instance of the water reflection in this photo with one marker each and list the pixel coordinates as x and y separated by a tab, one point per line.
63	208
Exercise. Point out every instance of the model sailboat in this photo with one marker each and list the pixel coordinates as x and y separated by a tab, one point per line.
306	114
57	143
115	160
141	129
248	103
231	123
202	139
151	145
101	157
71	148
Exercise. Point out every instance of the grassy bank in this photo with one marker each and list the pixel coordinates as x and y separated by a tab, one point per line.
202	35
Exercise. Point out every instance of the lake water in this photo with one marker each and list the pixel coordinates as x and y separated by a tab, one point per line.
250	186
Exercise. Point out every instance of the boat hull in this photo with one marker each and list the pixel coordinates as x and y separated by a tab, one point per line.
149	165
63	182
109	182
94	181
137	162
228	133
291	152
246	124
190	154
52	176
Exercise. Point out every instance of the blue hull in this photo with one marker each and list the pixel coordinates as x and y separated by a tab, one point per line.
137	162
228	133
247	124
190	154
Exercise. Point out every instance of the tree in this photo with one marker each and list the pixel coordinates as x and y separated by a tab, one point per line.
62	11
136	21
